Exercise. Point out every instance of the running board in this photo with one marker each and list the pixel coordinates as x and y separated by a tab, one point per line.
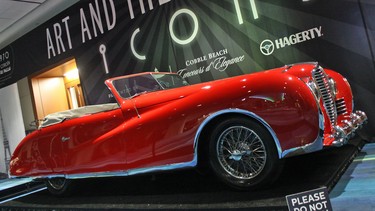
17	188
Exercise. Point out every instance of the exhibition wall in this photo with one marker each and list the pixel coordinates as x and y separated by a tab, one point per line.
202	41
12	121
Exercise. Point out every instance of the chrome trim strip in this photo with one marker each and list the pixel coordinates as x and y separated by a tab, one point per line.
47	176
120	173
97	175
132	171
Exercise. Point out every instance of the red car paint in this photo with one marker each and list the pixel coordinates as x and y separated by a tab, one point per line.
163	128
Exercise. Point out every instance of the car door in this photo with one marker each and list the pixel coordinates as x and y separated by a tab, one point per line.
158	136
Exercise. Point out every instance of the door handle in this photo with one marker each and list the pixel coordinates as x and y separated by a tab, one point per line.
63	139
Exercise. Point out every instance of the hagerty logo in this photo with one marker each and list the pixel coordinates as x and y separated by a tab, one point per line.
267	47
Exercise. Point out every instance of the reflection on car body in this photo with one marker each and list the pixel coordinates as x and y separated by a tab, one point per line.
240	127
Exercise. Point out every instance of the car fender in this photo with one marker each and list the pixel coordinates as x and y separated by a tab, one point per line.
284	90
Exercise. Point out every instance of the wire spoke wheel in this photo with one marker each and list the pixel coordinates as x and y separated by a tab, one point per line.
59	186
57	183
241	152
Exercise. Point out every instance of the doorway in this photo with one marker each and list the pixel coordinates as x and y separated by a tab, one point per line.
57	89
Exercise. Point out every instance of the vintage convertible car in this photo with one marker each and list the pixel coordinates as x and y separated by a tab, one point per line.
240	127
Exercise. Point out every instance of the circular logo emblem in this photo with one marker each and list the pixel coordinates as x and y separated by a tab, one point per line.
267	47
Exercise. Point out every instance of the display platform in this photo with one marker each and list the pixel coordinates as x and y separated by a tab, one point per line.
190	190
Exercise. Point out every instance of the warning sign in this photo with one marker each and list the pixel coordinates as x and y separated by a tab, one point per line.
313	200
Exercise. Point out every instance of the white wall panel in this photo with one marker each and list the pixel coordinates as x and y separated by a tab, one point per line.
12	118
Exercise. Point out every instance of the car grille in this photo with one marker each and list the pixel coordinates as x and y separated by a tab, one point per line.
341	106
322	83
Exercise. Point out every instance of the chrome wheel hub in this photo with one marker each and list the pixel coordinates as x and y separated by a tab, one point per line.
241	152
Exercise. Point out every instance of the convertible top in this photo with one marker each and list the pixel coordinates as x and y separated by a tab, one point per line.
58	117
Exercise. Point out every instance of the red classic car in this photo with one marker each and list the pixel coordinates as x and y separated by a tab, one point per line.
240	127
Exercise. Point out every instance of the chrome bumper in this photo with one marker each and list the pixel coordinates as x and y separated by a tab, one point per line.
347	129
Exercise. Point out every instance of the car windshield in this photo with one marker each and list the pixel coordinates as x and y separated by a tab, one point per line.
133	86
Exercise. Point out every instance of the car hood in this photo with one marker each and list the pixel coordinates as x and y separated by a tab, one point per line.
165	96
